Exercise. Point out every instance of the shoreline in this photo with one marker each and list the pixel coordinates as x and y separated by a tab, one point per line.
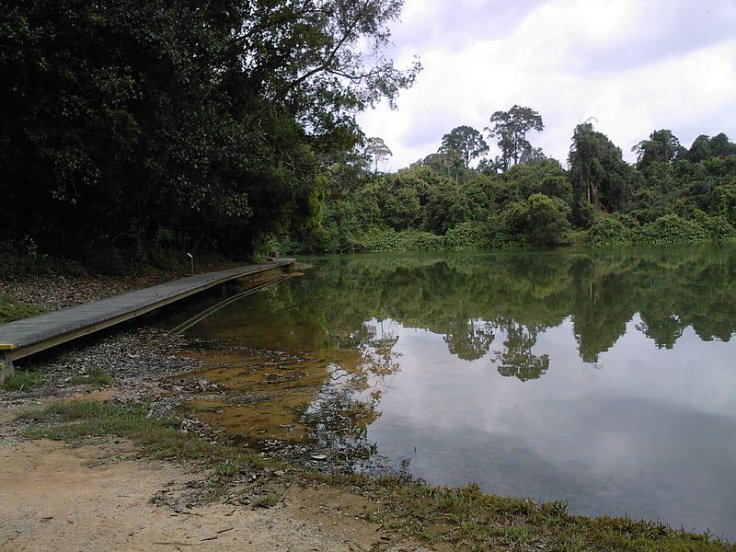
133	368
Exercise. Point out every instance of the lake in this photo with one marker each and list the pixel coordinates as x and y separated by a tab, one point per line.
603	378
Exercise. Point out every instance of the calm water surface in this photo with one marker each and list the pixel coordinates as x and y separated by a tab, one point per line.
607	379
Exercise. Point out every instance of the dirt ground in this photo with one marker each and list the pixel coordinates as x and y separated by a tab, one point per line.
100	498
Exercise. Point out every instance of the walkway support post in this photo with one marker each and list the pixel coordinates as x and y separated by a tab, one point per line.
6	367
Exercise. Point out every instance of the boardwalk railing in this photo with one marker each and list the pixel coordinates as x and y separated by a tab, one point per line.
31	335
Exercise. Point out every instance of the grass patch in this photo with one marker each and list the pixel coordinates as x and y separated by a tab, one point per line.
96	377
467	519
267	501
158	438
12	310
22	379
481	520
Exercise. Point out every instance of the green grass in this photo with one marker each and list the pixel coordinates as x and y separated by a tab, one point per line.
22	380
467	519
12	310
96	377
158	438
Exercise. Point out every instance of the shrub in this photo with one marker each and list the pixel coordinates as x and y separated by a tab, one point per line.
608	231
717	227
538	220
378	239
467	235
670	229
416	240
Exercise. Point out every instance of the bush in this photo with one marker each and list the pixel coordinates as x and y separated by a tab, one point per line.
416	240
18	260
467	235
718	227
538	220
608	231
378	239
670	229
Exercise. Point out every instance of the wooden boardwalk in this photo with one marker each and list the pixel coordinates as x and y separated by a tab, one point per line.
25	337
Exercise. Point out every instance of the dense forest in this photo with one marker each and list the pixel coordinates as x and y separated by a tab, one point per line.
671	194
147	130
199	126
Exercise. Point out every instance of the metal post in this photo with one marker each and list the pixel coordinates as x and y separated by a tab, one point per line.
191	258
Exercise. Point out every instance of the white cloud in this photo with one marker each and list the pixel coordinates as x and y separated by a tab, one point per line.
633	65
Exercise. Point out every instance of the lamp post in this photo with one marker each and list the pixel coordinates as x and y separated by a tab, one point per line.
191	259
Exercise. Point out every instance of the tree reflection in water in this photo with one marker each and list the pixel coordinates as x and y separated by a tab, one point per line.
470	299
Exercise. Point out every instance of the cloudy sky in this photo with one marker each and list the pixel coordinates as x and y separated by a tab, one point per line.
632	65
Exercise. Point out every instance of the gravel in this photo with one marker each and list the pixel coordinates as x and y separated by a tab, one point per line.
57	292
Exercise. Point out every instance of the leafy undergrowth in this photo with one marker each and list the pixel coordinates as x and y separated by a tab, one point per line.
467	519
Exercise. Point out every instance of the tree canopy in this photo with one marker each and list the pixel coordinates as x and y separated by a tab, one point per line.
464	142
511	128
219	114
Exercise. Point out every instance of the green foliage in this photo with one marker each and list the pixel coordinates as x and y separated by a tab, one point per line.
608	231
511	128
538	220
662	147
377	239
377	150
464	142
724	202
22	258
670	229
216	115
267	501
467	235
667	229
598	173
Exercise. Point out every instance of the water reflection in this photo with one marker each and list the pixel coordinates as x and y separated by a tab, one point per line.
606	379
468	299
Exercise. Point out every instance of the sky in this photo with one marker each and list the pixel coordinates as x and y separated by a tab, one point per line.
627	66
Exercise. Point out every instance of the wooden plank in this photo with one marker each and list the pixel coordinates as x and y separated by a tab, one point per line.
32	335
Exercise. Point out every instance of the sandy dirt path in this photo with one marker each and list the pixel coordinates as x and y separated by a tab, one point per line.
54	497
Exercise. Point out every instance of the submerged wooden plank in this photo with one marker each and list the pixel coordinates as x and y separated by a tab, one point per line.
31	335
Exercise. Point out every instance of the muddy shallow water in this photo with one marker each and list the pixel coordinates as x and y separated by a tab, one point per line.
605	379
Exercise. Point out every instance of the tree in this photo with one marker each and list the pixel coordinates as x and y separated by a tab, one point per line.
700	149
465	142
599	175
662	147
721	146
532	155
511	128
377	150
217	113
